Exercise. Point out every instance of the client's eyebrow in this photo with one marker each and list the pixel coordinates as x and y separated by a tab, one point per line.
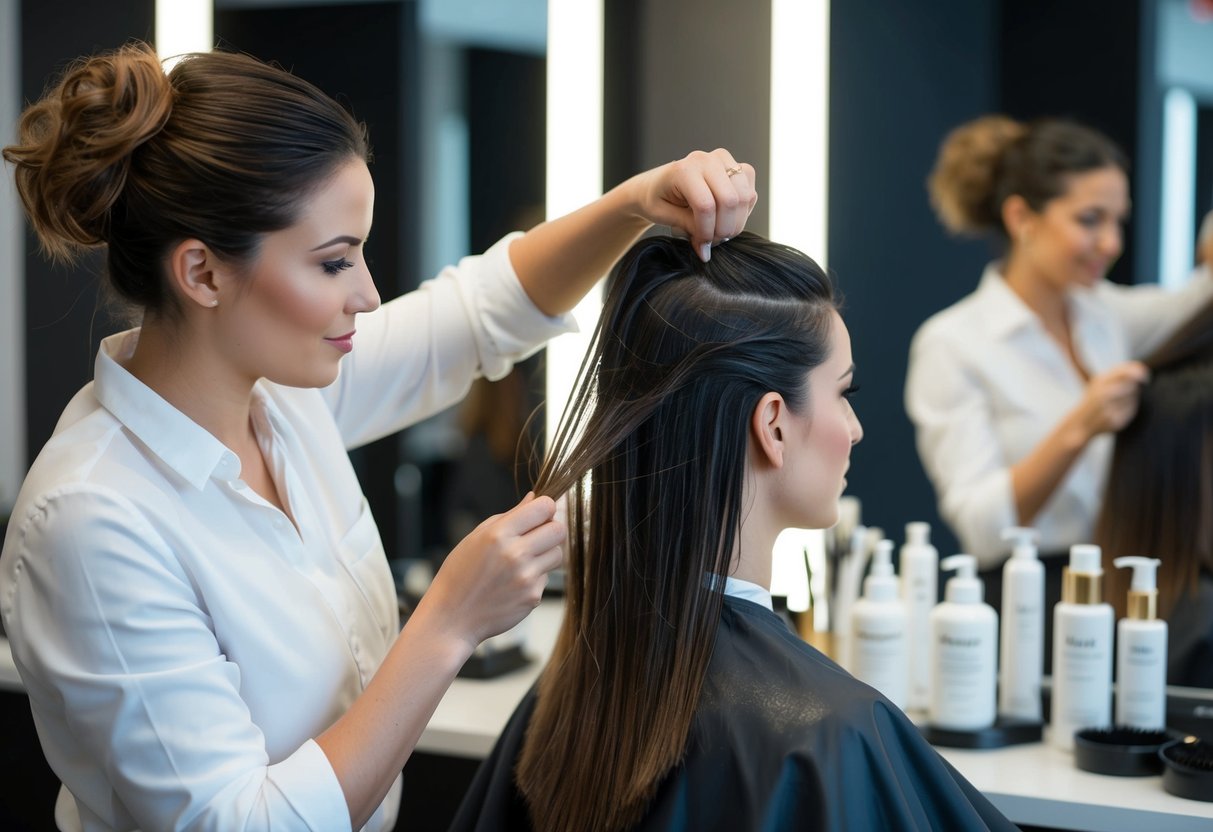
353	241
850	370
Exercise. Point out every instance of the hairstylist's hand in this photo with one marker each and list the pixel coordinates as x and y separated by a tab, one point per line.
496	575
1111	398
709	196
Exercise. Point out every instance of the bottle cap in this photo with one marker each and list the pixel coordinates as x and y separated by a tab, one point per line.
1081	580
918	533
1143	590
1085	558
1025	541
964	587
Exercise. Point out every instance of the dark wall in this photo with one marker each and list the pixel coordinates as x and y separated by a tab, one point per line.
361	54
1081	60
65	318
900	78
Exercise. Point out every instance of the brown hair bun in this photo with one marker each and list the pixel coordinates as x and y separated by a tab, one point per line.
964	181
74	146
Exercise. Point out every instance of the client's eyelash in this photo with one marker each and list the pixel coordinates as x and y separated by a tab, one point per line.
335	266
850	391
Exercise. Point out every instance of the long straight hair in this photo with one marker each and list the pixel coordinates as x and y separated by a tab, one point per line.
1159	498
659	420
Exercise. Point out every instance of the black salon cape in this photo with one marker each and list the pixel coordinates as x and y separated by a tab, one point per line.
783	739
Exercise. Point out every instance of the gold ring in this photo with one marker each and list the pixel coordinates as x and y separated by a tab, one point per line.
731	172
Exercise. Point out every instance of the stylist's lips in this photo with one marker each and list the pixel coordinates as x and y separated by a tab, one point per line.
345	343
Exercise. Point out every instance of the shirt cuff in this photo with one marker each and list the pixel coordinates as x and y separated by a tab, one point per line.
307	781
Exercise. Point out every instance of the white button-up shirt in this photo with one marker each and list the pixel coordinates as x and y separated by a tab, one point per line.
181	642
986	384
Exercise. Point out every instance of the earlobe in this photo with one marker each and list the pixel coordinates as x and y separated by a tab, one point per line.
192	272
765	425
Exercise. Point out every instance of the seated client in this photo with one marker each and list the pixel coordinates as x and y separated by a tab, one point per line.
1159	498
711	414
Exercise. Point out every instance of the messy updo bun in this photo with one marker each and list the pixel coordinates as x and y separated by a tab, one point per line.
222	149
983	162
76	144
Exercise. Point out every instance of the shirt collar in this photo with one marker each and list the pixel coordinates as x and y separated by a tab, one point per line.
746	591
1003	311
181	443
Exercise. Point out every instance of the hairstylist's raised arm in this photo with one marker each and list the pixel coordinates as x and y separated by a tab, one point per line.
708	196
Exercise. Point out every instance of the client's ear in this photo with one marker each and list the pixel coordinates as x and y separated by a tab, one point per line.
766	425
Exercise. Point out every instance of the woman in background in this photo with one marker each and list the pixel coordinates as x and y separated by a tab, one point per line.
194	589
1015	391
1159	499
712	413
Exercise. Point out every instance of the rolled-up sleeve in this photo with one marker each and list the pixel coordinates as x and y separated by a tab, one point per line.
127	679
957	444
419	353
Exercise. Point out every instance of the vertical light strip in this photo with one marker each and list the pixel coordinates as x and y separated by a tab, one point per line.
12	272
1176	235
798	188
800	116
184	26
574	162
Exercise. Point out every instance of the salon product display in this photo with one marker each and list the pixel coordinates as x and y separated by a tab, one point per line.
1021	642
964	647
879	653
1082	650
1141	650
920	589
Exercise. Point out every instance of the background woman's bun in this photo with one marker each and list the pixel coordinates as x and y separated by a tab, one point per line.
963	183
74	148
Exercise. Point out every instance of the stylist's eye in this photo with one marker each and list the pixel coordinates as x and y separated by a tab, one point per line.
335	266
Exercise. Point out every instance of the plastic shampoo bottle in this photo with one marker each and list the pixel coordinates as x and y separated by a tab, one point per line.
1022	643
964	649
878	630
1082	650
920	590
1141	651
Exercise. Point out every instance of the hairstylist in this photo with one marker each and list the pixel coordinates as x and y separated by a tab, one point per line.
1016	390
195	591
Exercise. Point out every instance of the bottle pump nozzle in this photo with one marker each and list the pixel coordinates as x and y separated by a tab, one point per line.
1143	590
881	583
1025	541
918	533
964	587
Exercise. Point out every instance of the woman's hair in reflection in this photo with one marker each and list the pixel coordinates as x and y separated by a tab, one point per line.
659	420
1159	498
984	161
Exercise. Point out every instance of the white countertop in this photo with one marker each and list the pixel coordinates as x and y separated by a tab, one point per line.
1031	784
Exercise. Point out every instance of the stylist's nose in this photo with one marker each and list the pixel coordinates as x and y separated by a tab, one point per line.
1110	242
364	297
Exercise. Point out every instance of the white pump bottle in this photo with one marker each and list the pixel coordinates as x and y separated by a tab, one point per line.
878	631
964	652
920	590
1022	643
1141	651
1082	650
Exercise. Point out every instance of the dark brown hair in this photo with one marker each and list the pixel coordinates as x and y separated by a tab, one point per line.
1159	498
986	160
222	149
682	354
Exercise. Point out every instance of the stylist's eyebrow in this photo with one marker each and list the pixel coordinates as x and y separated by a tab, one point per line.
850	370
345	238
